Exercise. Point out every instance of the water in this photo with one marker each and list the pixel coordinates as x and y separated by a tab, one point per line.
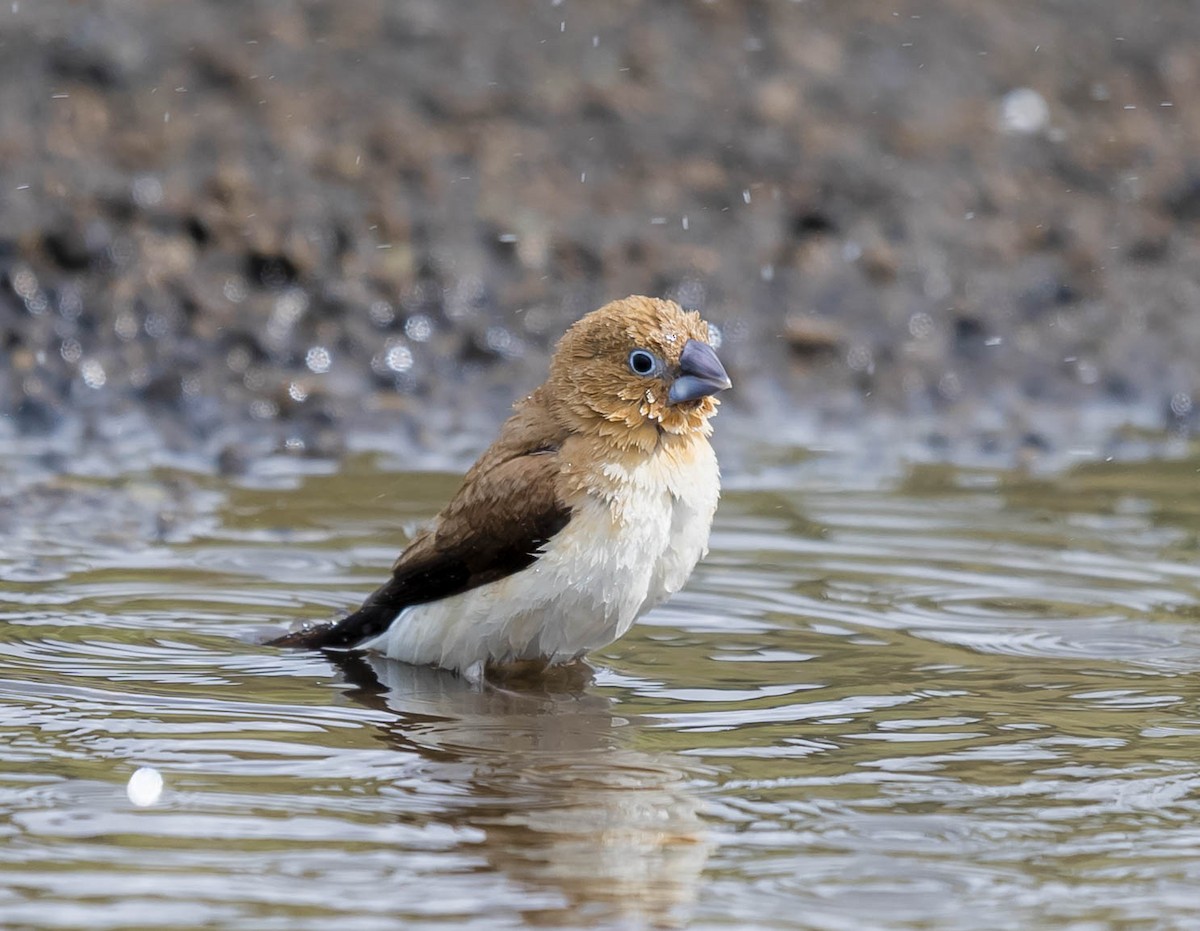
959	699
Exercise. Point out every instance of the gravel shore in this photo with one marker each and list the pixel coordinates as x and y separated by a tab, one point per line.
259	225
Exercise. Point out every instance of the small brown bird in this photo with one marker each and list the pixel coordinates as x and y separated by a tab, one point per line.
592	506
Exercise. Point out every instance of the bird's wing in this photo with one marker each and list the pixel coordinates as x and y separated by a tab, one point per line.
496	525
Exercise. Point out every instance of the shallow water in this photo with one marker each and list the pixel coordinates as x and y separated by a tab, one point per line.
957	699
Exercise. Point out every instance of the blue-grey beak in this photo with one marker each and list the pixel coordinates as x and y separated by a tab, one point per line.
700	374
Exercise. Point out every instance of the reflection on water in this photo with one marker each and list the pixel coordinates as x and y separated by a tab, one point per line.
560	803
966	699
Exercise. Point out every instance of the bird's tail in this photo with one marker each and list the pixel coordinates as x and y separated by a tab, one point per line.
373	618
313	637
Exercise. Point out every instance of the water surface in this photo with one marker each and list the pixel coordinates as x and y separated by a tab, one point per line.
956	699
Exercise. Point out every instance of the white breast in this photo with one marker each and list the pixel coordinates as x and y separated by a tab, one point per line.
623	552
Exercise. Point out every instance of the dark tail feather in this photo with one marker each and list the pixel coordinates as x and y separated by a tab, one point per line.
371	619
306	638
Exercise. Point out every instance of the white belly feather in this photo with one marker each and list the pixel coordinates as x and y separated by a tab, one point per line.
620	555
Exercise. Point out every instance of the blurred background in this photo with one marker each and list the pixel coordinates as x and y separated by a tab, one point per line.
954	230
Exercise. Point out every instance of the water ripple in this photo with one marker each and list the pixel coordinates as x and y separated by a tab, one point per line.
966	701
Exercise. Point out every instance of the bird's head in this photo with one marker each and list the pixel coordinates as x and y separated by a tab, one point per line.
635	369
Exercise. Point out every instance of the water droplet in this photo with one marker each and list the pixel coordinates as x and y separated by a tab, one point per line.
234	290
70	350
289	308
1024	111
145	786
381	313
70	302
126	325
399	358
318	360
949	386
93	374
860	359
238	359
418	328
498	339
262	409
156	325
920	326
24	282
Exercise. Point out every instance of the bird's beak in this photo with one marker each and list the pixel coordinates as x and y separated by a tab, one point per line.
700	374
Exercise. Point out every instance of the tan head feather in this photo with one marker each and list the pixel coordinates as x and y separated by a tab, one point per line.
595	388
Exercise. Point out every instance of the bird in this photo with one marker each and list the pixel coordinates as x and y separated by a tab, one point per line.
592	506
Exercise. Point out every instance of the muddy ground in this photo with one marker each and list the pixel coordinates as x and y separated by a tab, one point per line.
236	227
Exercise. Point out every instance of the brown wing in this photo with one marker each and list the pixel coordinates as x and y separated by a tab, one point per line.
496	525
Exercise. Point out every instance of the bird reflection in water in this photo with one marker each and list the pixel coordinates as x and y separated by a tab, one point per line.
543	771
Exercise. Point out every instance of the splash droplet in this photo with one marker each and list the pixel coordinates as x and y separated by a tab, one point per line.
144	787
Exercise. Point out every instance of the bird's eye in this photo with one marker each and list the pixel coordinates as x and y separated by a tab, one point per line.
642	362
